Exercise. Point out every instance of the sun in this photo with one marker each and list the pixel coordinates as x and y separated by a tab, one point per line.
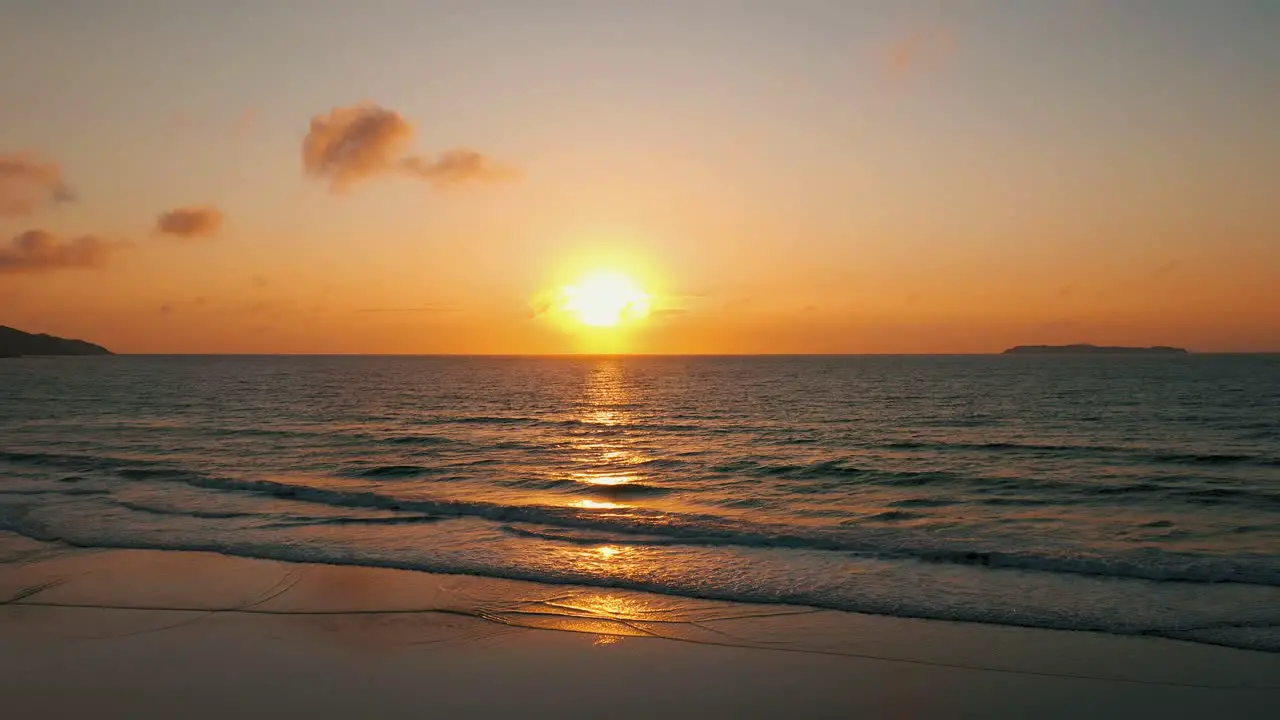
605	298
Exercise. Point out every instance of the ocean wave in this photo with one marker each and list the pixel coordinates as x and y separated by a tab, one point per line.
588	538
624	490
298	521
1227	632
701	529
993	446
1218	495
565	485
924	502
1209	459
383	472
868	536
563	422
1135	454
183	512
891	516
20	492
481	420
710	530
419	440
1017	502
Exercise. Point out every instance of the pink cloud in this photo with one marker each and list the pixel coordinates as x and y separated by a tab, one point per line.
188	222
351	144
27	184
36	251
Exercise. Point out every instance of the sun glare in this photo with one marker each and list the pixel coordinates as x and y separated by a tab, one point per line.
606	299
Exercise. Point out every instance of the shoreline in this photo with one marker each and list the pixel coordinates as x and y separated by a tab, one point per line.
65	612
1251	636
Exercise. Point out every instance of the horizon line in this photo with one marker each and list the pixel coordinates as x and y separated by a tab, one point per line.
656	355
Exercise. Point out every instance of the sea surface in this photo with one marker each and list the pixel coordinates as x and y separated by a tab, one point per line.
1128	495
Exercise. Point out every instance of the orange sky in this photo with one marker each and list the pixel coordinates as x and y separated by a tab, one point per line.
781	177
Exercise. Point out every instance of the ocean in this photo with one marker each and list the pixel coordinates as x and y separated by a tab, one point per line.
1119	494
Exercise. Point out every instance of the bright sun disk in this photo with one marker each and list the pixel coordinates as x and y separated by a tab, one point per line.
606	299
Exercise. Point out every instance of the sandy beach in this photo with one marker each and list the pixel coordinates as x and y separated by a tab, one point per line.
140	633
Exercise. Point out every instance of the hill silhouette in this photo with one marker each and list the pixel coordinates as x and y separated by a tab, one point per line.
1086	349
16	343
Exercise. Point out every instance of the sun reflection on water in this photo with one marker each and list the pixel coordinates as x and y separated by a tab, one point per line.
597	505
605	479
605	605
606	457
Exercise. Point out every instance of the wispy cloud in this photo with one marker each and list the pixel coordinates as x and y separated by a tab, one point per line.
355	143
457	166
190	222
36	251
28	184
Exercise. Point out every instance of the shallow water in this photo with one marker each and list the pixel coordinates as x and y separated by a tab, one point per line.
1122	494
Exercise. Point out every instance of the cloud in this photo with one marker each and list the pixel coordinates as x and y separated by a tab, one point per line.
189	222
911	52
37	251
27	184
356	143
457	166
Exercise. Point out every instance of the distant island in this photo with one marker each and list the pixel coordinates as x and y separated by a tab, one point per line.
15	343
1086	349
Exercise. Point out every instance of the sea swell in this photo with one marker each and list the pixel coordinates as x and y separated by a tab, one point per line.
870	536
1215	631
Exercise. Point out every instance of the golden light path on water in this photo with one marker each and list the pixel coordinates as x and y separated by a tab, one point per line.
606	401
587	504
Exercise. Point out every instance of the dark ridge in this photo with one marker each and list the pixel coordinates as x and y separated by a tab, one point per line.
15	343
1086	349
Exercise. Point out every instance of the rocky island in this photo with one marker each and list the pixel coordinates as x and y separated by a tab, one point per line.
1086	349
16	343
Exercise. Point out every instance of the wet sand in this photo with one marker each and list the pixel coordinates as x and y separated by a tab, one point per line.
143	634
